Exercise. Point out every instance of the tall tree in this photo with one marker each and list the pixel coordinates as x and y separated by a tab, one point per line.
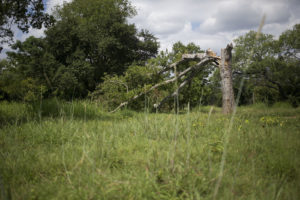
248	55
90	38
273	71
99	30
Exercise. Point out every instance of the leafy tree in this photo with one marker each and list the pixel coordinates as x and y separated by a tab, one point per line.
289	78
22	13
289	43
248	47
95	33
272	74
89	39
248	54
147	46
33	60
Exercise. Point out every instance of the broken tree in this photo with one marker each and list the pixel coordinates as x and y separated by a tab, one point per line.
226	78
187	75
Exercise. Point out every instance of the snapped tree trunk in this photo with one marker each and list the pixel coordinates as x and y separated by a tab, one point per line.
226	79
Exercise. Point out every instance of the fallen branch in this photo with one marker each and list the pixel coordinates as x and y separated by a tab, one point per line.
176	92
184	58
204	59
196	69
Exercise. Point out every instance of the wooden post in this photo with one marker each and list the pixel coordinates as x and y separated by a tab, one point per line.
226	79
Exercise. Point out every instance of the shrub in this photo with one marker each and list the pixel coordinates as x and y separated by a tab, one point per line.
117	89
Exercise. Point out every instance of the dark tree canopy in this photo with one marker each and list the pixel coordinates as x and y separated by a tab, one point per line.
95	34
89	39
23	14
273	72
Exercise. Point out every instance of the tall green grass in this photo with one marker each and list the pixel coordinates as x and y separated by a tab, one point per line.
78	151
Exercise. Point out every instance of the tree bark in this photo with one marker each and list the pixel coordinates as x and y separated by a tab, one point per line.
226	77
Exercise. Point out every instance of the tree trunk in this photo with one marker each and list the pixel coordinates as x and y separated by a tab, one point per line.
226	77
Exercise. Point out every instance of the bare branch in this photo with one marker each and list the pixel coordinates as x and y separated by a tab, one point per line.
204	59
120	106
191	57
176	92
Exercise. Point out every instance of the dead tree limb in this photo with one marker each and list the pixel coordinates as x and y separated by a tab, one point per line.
185	58
176	92
204	59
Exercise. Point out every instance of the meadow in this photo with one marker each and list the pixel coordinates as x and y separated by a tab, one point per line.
76	150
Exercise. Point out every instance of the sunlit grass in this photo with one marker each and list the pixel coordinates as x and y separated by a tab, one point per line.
78	151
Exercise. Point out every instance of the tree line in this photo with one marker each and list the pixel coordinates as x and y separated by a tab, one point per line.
90	50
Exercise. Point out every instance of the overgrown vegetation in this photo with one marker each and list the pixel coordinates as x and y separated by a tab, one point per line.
57	140
77	151
91	51
89	38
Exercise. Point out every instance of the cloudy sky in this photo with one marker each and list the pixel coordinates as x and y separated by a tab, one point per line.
208	23
213	23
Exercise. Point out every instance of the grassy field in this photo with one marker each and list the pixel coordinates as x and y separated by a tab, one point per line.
77	151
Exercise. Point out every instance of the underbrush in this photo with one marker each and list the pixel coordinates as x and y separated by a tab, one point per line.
78	151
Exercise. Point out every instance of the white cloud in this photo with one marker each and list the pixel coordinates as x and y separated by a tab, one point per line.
208	23
19	35
51	4
214	23
49	8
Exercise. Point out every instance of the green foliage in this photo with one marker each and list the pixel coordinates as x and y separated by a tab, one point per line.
13	113
254	52
137	79
30	91
117	89
93	50
147	46
214	87
197	92
100	32
24	14
272	74
289	42
283	105
111	92
13	86
90	38
128	155
262	47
